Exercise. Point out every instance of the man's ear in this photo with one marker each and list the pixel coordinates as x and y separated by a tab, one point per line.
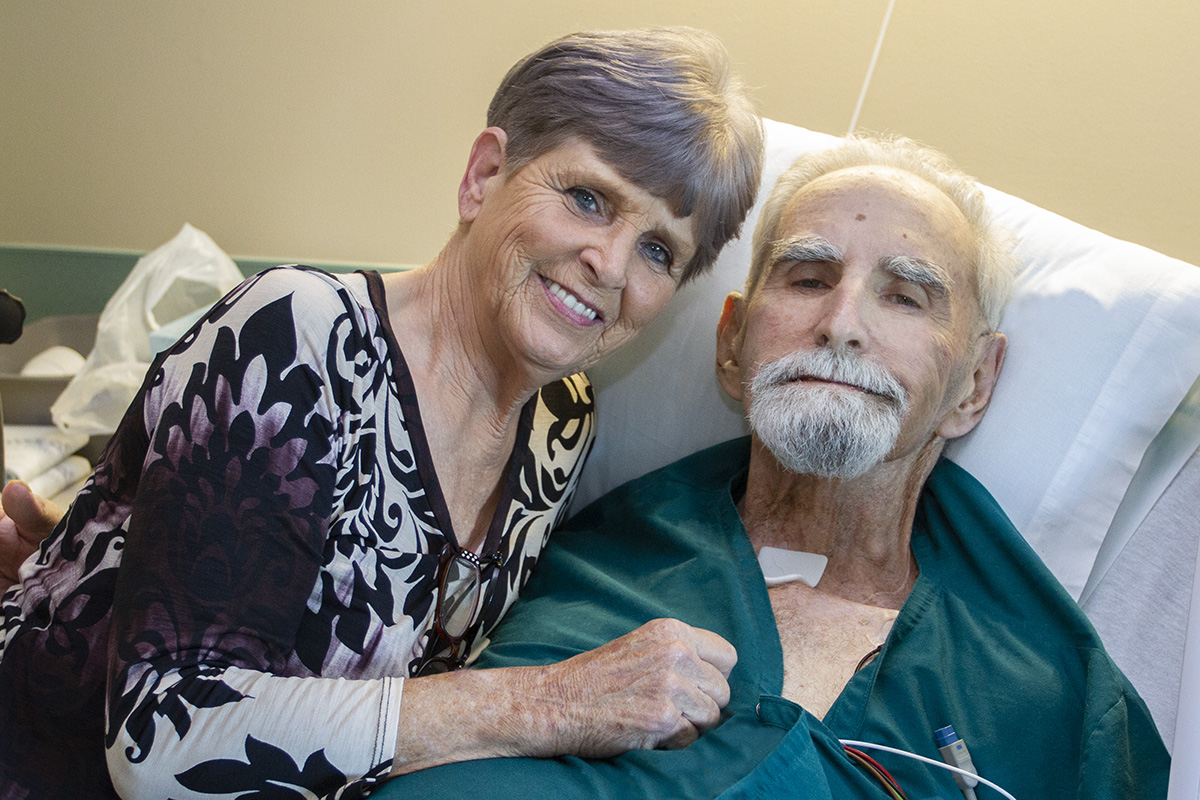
979	387
729	343
485	163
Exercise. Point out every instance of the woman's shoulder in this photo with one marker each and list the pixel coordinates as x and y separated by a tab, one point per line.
309	283
562	426
318	296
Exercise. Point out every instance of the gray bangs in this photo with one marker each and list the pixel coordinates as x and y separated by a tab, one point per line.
661	106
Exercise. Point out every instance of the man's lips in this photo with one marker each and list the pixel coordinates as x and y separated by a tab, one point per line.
570	302
832	382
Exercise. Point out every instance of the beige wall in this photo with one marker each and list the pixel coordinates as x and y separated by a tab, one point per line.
336	131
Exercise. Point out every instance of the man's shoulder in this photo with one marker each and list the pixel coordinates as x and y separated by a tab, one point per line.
711	468
963	523
986	572
969	547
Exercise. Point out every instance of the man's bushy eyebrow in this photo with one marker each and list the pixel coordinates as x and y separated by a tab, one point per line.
805	248
919	271
812	248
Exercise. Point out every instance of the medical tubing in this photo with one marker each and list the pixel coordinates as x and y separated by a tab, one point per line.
939	764
954	751
862	95
876	771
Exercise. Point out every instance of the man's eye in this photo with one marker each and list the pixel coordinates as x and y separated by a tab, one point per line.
587	200
659	254
905	300
807	283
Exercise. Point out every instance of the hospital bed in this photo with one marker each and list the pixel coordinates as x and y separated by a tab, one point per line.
1090	443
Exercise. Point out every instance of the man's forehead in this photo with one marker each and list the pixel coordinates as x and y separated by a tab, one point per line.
924	222
880	186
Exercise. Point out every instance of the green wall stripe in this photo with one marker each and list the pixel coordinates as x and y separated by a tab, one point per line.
53	281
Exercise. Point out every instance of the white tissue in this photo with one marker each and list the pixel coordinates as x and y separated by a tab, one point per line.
71	469
30	450
53	362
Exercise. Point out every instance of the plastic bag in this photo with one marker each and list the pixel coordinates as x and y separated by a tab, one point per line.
184	276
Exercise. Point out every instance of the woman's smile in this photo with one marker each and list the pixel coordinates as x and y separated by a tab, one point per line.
571	306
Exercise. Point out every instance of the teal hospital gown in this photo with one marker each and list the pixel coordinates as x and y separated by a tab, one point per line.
988	642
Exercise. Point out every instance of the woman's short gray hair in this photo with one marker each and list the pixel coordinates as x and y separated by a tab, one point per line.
995	264
661	106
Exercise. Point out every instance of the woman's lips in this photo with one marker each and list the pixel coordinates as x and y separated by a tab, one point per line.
585	313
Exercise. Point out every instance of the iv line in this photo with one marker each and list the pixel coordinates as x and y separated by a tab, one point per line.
871	67
930	761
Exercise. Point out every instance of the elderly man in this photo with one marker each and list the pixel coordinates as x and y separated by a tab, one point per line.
866	338
900	602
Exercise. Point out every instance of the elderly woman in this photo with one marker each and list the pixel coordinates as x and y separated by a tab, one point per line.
329	491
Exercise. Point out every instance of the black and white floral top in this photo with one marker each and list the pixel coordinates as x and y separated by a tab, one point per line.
232	603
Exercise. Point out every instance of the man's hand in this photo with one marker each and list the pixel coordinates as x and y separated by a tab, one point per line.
25	519
659	686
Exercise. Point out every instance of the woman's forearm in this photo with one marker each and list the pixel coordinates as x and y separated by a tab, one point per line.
659	686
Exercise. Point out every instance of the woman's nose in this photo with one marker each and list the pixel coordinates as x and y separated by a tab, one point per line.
609	258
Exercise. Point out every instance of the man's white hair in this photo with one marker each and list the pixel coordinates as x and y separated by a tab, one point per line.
995	265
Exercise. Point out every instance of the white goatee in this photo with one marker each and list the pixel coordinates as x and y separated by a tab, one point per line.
813	428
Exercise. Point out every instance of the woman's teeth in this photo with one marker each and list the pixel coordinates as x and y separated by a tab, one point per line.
569	300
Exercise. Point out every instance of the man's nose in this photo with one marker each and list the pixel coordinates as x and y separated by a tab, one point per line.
843	321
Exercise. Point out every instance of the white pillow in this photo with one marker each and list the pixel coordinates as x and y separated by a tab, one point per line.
1104	342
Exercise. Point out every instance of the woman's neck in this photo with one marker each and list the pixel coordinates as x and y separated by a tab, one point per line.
470	404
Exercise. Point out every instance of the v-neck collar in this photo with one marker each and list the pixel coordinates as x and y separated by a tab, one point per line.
850	707
407	395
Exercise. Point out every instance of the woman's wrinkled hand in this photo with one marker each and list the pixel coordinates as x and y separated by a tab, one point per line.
25	520
659	686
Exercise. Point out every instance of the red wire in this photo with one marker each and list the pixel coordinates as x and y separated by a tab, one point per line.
872	762
876	774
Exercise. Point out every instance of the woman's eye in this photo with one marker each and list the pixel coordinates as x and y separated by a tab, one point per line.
587	200
659	254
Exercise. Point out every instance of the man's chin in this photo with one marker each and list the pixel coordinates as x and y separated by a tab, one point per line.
843	471
828	431
824	452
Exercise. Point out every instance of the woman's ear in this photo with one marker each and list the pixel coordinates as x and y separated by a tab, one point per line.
980	385
729	341
485	163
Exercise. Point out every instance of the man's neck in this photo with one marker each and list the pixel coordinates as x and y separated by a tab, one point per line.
863	525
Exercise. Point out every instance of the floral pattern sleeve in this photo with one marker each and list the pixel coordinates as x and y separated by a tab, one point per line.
233	600
223	548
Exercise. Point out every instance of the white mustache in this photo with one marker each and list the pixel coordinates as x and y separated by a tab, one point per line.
832	365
